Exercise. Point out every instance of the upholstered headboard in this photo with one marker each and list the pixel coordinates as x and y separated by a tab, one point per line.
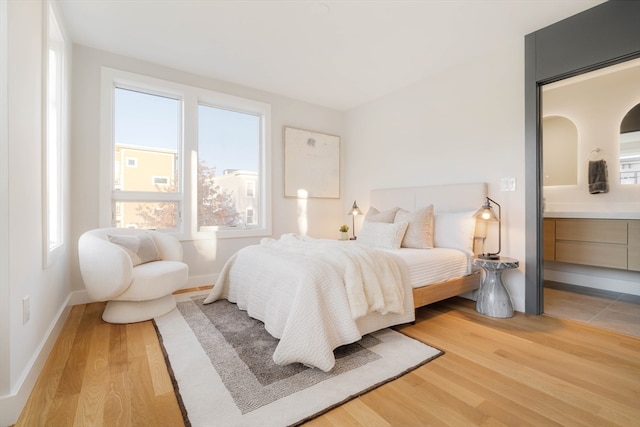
444	198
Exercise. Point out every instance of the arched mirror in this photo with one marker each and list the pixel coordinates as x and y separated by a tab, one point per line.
630	147
560	153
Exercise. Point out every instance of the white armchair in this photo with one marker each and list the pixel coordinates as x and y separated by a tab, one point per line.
136	271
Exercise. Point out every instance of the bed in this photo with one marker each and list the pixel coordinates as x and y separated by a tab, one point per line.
448	200
315	295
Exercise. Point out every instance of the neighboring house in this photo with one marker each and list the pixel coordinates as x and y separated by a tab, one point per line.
242	186
140	168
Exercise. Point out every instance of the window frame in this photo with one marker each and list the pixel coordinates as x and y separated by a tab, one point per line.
53	150
191	97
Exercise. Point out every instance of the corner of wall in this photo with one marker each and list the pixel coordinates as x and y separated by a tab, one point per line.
12	404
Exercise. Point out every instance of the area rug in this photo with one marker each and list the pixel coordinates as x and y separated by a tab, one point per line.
221	365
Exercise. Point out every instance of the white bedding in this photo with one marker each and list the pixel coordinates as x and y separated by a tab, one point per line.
428	266
316	295
310	294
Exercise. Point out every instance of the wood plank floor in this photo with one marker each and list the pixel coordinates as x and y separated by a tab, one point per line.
523	371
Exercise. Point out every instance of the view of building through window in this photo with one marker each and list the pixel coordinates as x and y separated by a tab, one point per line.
147	141
147	164
228	158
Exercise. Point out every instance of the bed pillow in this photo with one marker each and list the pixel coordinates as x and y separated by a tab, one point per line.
454	230
382	234
374	215
419	234
140	247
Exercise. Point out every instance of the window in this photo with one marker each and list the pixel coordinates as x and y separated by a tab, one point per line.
53	136
251	189
160	180
249	216
206	193
147	138
228	160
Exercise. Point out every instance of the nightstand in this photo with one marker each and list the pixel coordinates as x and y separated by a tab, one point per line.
493	299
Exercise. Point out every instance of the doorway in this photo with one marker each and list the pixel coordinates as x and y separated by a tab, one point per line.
604	35
583	124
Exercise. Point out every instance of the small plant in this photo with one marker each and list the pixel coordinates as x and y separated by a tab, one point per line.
344	228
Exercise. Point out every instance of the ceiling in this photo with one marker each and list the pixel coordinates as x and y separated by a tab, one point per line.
339	54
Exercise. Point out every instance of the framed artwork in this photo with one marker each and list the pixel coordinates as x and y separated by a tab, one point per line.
311	164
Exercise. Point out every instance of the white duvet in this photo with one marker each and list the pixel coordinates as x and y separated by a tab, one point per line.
310	293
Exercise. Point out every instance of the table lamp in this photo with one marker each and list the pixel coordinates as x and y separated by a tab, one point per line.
486	213
354	211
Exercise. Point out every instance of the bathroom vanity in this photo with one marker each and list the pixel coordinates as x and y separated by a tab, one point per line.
587	239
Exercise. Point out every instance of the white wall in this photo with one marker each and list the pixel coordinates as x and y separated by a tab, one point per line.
465	125
205	257
596	106
24	347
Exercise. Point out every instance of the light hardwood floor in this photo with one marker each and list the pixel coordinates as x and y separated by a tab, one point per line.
522	371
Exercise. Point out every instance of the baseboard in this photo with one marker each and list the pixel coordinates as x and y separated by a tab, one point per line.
11	405
82	297
204	280
623	282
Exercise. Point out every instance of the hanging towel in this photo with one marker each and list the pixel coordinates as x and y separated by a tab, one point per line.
598	181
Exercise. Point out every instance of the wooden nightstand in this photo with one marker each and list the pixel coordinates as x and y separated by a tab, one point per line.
493	298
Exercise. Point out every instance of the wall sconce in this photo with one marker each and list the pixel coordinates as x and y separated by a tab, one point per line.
486	213
354	211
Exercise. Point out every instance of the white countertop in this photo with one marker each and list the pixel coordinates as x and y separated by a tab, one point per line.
593	215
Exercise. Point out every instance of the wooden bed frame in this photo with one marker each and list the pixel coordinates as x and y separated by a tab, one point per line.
443	290
444	198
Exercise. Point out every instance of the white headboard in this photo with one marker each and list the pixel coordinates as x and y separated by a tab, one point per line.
444	198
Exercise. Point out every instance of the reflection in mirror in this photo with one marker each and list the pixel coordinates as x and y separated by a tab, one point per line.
630	147
560	153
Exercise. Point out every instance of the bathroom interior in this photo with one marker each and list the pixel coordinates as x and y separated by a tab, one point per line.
591	197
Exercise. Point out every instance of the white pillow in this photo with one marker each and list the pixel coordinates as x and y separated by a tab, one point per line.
382	234
419	234
454	230
140	247
374	215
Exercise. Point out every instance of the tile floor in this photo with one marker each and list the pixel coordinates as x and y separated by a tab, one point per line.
605	309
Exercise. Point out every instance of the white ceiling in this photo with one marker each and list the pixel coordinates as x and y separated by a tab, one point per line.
338	54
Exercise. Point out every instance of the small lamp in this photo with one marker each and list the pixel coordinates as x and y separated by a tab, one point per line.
486	213
354	211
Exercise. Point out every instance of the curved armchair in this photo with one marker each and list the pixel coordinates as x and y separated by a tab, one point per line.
136	271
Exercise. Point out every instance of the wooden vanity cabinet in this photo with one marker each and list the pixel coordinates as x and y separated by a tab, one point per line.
549	240
610	243
634	246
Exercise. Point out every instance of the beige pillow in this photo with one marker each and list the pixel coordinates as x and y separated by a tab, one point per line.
374	215
140	247
419	234
382	234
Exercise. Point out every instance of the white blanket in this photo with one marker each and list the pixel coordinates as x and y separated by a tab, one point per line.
309	292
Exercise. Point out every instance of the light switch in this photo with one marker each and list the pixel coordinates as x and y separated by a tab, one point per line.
508	184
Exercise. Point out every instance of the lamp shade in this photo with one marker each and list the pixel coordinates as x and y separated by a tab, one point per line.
355	210
486	213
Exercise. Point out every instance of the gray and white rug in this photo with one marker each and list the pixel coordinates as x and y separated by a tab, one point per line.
221	366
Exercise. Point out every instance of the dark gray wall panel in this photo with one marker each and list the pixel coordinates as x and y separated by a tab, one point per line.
595	36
